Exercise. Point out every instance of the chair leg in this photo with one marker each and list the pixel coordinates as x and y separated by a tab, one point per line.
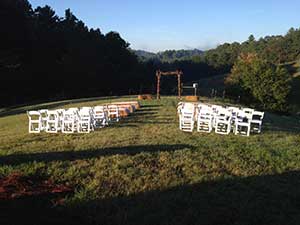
236	129
228	128
248	131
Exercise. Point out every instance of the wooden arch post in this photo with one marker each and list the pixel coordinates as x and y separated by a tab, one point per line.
177	73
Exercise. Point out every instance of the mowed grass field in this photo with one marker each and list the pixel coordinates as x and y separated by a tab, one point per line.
144	170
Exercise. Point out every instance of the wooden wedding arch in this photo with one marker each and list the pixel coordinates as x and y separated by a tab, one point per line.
177	73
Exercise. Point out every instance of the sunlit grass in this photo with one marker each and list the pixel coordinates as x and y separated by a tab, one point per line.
145	152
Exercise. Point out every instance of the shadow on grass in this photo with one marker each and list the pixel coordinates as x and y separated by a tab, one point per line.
143	116
37	209
289	124
16	159
150	116
267	200
271	199
140	116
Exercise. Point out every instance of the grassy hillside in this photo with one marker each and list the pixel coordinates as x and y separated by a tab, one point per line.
206	85
144	170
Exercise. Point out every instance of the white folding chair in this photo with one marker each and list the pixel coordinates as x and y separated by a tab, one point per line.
53	120
113	113
100	116
84	123
215	109
234	112
69	121
187	118
202	105
205	119
243	123
35	122
179	107
60	117
188	106
87	108
43	113
223	121
248	111
256	121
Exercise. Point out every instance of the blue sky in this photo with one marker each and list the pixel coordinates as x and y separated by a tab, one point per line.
157	25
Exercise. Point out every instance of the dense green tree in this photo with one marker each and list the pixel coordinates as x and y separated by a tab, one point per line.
267	84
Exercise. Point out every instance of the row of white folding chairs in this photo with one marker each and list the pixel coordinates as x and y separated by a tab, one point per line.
222	119
81	120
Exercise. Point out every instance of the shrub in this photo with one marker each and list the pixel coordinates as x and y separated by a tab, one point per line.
261	82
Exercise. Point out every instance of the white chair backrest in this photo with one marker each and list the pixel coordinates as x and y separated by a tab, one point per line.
188	110
205	112
53	116
84	112
201	105
233	109
242	116
69	114
113	108
33	115
216	108
224	112
105	107
188	107
84	115
179	106
257	115
84	109
248	111
204	107
60	112
99	111
43	112
187	114
179	103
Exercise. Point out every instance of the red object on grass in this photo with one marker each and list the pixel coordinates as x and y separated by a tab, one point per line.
16	186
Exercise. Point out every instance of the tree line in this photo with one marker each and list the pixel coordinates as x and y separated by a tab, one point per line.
276	49
45	57
169	55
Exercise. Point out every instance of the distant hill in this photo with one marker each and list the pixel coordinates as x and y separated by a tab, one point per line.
144	55
168	55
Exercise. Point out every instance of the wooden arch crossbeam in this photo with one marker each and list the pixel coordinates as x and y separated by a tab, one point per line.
177	73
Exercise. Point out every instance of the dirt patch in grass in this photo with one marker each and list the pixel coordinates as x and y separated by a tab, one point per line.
17	186
32	200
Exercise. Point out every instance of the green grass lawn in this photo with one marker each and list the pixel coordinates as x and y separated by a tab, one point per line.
144	170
